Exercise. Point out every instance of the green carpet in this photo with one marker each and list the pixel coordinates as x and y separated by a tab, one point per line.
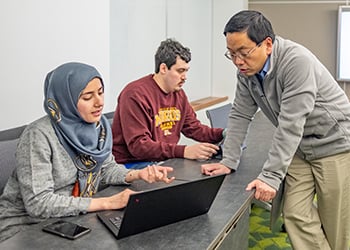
260	235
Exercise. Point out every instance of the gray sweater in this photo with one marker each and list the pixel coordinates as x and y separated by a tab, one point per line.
301	98
42	183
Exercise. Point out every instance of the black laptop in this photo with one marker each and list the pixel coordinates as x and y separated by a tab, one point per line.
162	206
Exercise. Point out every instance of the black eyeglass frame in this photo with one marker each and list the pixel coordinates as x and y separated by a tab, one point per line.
232	56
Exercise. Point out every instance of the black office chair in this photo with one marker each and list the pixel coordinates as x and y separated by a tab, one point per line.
218	119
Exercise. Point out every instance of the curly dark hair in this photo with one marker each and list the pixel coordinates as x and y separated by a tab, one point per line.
168	51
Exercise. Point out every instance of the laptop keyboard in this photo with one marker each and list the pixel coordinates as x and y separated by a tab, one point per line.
116	221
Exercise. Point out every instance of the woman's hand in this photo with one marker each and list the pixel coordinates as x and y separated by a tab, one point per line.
117	201
156	173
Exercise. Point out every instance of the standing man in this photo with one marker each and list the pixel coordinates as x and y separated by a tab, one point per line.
311	145
153	111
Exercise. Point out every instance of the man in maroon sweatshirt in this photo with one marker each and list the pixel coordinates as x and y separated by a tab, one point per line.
154	110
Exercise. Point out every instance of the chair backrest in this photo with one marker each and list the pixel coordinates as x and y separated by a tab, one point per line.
109	116
218	116
12	133
7	160
8	145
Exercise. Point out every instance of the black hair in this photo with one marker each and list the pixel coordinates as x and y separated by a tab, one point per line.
257	26
168	51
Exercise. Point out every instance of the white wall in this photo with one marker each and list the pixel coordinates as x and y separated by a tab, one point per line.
136	31
223	70
118	37
141	29
37	36
190	22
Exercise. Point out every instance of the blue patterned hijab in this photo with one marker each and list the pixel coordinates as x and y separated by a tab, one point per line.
88	144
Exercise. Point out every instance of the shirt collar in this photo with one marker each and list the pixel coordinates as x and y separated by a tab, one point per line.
264	70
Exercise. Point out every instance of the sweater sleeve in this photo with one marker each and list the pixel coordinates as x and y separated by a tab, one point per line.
241	115
113	173
194	129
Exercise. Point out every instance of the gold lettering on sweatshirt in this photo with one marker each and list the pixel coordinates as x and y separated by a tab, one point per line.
167	118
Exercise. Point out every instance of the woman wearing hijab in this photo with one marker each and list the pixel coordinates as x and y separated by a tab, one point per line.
63	157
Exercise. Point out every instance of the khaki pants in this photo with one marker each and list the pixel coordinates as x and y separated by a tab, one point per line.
326	226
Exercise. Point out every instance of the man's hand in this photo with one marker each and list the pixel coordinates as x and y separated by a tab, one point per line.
263	191
215	169
200	151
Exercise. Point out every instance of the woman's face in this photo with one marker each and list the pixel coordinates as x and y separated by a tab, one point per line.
91	101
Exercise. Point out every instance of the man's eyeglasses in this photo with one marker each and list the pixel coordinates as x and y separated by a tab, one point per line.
240	55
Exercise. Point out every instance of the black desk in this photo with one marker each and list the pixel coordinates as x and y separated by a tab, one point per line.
226	226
